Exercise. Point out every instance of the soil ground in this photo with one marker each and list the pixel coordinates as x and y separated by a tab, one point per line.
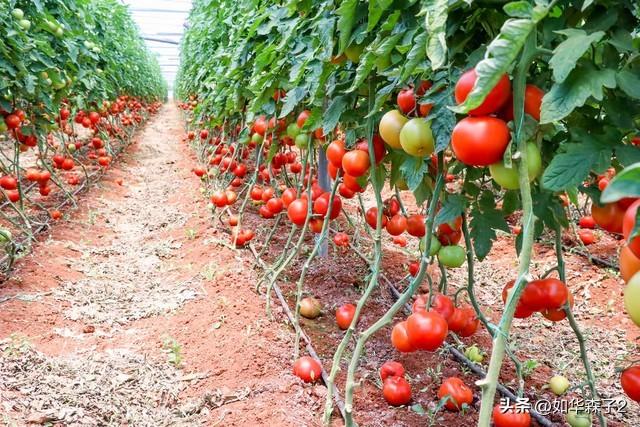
135	311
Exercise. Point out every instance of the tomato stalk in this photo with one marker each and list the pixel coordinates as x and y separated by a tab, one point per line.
591	381
489	383
400	302
377	185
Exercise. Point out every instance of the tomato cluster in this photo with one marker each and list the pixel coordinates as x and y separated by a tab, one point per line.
547	296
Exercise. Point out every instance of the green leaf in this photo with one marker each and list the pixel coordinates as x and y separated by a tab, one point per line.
292	100
582	83
451	209
413	170
625	184
415	56
627	154
333	113
518	9
566	54
569	169
483	225
629	82
501	53
376	9
346	20
436	23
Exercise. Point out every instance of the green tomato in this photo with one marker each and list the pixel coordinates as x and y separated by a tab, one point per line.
302	141
3	126
244	140
474	354
71	148
293	130
578	419
416	138
452	256
632	298
508	177
5	235
17	14
401	184
44	75
25	24
88	44
52	26
59	32
435	245
559	385
256	138
353	52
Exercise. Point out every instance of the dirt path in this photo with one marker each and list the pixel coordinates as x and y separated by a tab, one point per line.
131	312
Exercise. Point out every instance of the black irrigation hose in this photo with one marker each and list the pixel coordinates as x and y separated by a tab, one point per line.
306	339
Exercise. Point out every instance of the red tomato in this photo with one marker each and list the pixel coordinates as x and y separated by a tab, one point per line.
344	315
392	207
397	225
335	152
265	212
345	191
219	198
442	304
321	205
308	369
275	205
630	381
472	324
510	417
587	236
558	314
297	211
8	182
544	294
522	311
416	226
355	163
391	369
288	196
55	215
628	224
400	241
602	184
533	101
413	268
400	338
315	225
494	100
396	391
371	216
12	121
341	239
587	222
351	183
233	220
267	193
450	234
406	100
629	264
256	194
608	217
379	150
426	330
456	392
480	141
302	118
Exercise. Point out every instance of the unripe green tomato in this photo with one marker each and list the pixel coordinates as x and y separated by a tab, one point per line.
48	82
5	235
435	245
44	75
578	419
353	52
244	141
302	141
25	24
17	14
451	256
71	148
559	385
632	298
211	206
474	354
87	44
3	126
59	32
256	138
293	130
508	177
416	137
52	26
59	85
